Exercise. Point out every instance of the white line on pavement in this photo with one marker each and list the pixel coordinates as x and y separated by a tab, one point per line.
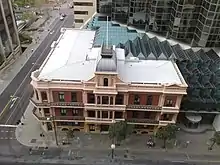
10	126
36	62
1	138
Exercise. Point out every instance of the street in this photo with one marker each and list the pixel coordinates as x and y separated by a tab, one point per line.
11	111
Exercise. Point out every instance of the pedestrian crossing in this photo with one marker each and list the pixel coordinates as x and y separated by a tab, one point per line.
7	133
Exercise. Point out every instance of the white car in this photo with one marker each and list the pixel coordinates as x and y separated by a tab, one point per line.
61	18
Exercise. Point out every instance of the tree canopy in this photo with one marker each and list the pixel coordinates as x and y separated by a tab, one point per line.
167	132
120	131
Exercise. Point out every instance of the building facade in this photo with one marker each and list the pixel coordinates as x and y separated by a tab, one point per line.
103	87
83	11
9	39
193	21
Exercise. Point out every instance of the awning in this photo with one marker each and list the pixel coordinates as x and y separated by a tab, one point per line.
194	118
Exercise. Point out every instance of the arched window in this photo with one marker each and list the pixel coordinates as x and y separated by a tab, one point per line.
105	82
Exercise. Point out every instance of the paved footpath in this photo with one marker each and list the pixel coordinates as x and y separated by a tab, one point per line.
98	146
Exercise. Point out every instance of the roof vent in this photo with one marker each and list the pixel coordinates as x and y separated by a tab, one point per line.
107	52
134	58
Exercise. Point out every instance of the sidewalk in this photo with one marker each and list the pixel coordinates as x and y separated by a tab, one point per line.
29	135
9	72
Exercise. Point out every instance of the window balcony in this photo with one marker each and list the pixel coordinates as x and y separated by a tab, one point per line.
105	106
142	121
165	122
77	118
101	120
57	104
57	118
144	107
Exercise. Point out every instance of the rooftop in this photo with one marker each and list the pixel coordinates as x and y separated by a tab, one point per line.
73	58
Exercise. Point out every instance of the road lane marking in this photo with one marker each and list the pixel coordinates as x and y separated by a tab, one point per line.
6	106
13	102
10	126
38	59
6	131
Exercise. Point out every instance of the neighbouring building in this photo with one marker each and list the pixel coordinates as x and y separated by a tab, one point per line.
9	39
84	87
83	11
192	21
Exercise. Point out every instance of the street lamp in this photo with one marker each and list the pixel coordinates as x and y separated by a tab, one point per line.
51	118
113	149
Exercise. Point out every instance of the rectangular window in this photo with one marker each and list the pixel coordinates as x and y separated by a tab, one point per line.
44	96
46	110
73	96
119	100
136	99
91	98
81	12
105	100
75	112
105	114
63	112
79	21
83	3
169	102
61	97
149	99
91	113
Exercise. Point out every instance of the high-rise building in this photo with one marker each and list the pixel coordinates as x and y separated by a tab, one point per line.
193	21
9	39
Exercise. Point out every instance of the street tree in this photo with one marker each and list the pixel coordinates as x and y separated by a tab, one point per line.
167	133
120	131
69	135
215	140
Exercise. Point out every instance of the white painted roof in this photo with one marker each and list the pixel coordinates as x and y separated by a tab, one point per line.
148	71
74	59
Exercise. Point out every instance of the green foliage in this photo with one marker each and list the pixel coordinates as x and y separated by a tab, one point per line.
215	140
120	131
25	38
22	3
167	133
27	16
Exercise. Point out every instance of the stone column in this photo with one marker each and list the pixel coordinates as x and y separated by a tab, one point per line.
48	95
126	98
114	97
178	101
39	95
85	97
161	100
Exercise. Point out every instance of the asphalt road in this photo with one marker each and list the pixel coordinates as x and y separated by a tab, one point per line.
20	85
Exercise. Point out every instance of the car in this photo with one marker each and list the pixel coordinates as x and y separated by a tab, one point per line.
61	18
63	15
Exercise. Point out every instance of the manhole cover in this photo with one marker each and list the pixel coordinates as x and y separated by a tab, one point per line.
33	140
